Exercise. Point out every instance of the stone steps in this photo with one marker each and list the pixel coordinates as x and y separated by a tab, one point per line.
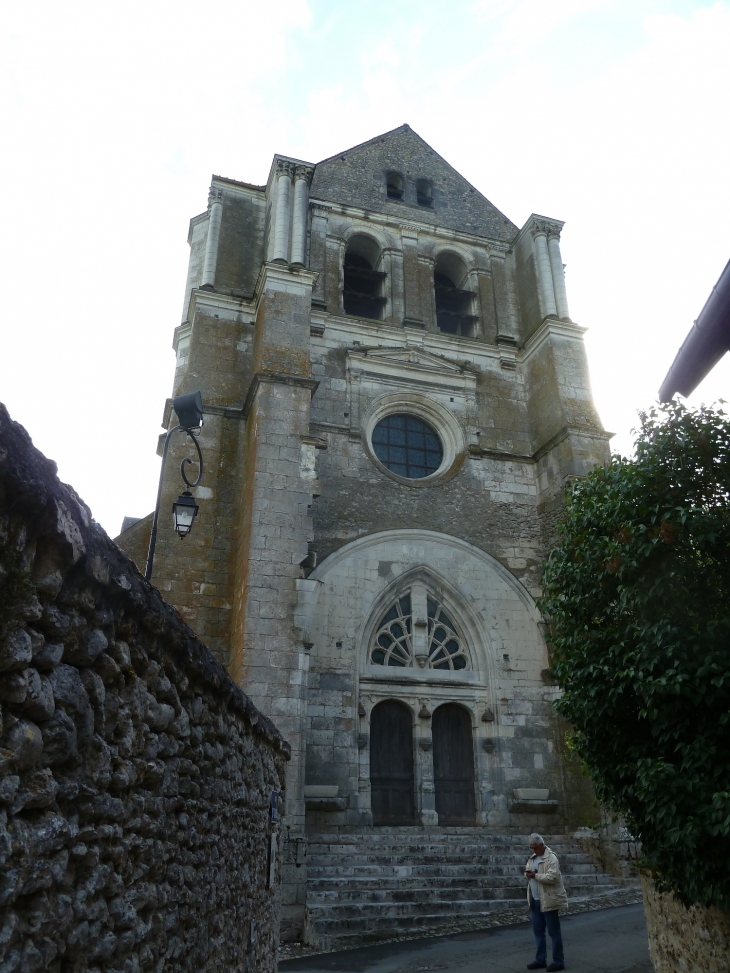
453	892
374	886
428	869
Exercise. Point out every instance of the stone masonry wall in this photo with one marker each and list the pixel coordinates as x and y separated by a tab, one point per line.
682	940
135	776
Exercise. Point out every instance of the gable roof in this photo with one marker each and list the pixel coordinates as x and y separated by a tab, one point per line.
356	177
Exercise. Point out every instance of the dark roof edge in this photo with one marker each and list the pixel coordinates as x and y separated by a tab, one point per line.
704	346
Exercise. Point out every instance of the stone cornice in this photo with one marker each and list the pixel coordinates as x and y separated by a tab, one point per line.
427	230
200	299
285	277
588	432
549	327
287	161
320	210
276	378
537	225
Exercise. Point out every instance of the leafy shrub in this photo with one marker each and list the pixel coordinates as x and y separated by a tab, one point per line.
638	595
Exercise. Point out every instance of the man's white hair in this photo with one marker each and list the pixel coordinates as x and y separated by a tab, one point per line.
536	839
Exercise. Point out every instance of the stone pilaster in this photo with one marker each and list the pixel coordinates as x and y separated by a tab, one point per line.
318	252
269	658
503	301
413	314
334	262
487	306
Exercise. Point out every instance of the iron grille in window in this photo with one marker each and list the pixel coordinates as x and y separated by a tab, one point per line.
393	642
408	446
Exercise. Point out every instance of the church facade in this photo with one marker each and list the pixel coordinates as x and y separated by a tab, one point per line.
395	397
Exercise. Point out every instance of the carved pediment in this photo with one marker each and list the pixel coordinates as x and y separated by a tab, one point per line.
407	358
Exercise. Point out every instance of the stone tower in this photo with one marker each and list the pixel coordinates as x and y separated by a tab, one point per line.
395	395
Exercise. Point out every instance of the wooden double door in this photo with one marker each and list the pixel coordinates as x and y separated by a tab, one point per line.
392	779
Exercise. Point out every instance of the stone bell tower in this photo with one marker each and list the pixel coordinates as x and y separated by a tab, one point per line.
395	396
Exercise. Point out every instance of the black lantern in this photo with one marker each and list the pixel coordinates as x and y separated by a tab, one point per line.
184	510
189	409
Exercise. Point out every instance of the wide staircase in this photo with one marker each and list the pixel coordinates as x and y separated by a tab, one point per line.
406	882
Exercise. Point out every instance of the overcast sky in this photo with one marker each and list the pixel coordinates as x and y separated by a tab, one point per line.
609	114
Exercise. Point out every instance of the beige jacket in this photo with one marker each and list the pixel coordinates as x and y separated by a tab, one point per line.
552	890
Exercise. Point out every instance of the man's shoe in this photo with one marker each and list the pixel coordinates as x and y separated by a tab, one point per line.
536	966
553	968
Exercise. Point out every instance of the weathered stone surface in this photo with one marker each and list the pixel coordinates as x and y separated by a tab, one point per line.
17	650
135	776
683	940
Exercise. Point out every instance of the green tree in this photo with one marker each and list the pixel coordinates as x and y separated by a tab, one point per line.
638	594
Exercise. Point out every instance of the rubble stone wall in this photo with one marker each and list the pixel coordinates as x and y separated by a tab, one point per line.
135	776
682	940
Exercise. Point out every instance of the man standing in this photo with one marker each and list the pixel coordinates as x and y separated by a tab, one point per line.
545	895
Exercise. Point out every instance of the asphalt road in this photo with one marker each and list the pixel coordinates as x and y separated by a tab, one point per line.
606	941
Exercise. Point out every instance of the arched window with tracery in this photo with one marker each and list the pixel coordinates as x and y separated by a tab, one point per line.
362	285
416	630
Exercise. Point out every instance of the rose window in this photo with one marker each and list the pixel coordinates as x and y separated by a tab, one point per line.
417	631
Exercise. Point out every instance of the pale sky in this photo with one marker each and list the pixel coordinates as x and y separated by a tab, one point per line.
608	114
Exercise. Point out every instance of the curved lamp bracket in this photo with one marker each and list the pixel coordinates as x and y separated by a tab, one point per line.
188	461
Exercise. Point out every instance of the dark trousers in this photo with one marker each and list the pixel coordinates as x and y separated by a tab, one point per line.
550	921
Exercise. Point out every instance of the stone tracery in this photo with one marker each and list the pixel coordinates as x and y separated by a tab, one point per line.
404	639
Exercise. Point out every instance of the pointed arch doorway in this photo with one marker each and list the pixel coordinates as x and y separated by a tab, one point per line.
453	765
391	764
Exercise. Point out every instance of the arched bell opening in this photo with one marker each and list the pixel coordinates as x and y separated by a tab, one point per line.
362	287
453	765
454	301
391	764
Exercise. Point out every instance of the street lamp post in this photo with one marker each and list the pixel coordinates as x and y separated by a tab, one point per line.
189	409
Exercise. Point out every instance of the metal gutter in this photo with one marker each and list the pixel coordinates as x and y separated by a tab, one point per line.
705	344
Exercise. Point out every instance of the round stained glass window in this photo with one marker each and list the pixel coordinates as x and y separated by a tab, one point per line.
407	446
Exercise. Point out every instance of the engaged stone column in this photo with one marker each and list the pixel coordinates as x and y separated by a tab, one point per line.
558	275
544	273
299	224
215	209
283	200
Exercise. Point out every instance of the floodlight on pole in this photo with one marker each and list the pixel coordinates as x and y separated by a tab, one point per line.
189	410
